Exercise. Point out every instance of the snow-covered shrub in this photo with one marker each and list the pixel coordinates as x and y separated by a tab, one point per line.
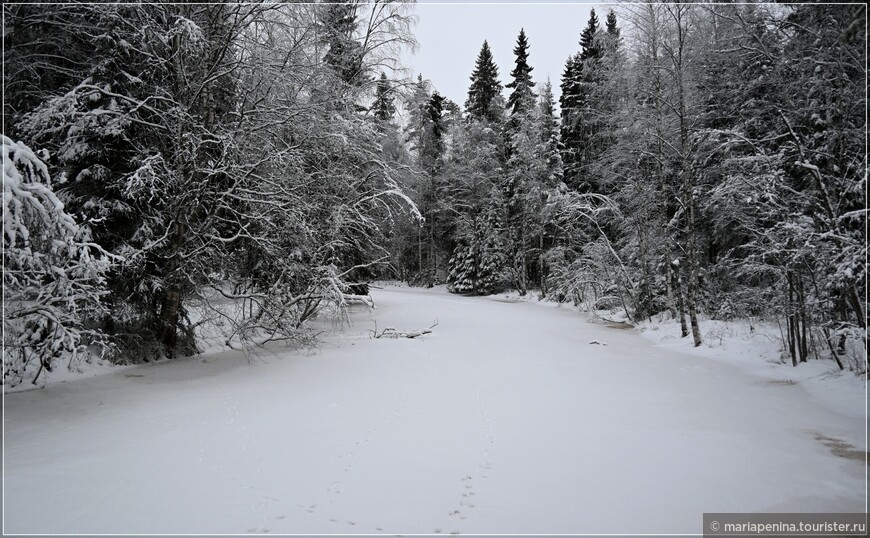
53	275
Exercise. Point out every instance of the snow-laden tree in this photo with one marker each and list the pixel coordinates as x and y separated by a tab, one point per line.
522	97
383	108
52	273
532	177
786	174
315	213
142	138
484	94
344	55
478	259
579	109
214	149
550	135
475	206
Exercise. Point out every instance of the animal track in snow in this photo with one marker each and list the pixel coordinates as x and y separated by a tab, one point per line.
464	504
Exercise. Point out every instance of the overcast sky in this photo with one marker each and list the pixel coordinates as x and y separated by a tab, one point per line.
450	37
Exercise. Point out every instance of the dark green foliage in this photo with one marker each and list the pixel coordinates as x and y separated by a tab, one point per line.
569	105
434	111
476	264
345	54
523	95
590	47
581	116
714	168
432	147
383	108
120	163
610	25
485	90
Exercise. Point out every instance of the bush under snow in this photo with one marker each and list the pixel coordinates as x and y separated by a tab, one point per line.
52	275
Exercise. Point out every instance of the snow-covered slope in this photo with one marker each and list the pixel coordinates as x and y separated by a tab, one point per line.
504	420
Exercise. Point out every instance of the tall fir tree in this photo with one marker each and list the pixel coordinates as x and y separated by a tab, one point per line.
590	49
339	21
578	84
433	146
482	102
610	25
550	134
608	89
569	116
384	106
523	96
477	262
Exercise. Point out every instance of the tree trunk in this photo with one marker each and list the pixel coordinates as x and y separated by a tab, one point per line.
169	319
524	267
669	278
678	291
688	184
807	322
541	280
791	322
170	304
419	251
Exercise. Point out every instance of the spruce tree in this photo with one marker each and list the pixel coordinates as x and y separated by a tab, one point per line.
578	84
590	48
477	262
570	84
383	108
433	142
345	54
523	95
569	112
610	25
485	87
550	135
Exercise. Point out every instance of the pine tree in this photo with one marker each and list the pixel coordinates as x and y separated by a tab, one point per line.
550	135
383	108
345	53
578	124
433	144
482	102
523	96
476	264
608	88
610	25
591	49
569	113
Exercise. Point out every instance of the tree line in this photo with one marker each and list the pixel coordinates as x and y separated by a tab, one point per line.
243	167
705	160
168	166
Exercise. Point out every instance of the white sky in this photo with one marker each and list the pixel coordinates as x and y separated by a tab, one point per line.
451	34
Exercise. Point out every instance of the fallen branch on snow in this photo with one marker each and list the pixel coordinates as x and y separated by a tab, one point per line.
350	298
391	332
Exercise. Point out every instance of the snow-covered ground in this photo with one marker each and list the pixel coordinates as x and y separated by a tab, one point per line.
505	419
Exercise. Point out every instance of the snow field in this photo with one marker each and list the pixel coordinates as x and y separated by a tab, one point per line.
503	420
